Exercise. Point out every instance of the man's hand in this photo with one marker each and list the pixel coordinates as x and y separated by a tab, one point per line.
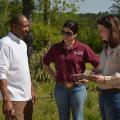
33	95
7	108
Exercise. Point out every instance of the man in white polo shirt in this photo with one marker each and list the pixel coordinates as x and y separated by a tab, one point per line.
15	82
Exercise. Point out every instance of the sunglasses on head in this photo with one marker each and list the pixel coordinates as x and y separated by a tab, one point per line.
69	34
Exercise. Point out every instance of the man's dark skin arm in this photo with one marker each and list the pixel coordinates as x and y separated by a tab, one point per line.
7	108
33	94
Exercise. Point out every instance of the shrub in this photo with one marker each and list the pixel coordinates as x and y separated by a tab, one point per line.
38	73
44	35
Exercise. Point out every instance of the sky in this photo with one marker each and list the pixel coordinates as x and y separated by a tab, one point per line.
92	6
95	6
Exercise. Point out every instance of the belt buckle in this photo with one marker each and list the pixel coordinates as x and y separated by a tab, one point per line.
68	85
77	83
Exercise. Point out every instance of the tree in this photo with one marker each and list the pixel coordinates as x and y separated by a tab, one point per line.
28	6
115	8
15	7
46	11
56	7
4	17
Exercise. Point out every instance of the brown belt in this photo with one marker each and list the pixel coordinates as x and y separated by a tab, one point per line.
70	85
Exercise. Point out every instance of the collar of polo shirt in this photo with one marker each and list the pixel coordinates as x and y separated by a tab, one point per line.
14	37
73	47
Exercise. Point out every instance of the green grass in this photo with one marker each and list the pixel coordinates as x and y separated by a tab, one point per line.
45	107
88	66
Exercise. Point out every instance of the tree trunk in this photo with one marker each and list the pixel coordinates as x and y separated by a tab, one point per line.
46	11
27	8
27	11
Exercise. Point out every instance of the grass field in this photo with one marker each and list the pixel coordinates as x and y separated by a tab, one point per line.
45	107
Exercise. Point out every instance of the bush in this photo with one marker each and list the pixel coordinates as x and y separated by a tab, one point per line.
90	37
38	73
44	35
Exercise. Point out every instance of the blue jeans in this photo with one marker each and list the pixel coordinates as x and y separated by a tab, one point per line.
70	100
109	102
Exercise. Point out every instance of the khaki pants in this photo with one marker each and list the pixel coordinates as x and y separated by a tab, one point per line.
22	110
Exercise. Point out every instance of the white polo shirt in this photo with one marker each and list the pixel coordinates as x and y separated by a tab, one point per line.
14	67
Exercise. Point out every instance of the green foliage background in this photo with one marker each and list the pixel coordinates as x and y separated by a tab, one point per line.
44	36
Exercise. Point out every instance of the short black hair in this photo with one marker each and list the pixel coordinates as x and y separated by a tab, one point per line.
14	19
72	25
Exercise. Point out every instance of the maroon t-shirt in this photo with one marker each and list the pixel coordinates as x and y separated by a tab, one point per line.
72	61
